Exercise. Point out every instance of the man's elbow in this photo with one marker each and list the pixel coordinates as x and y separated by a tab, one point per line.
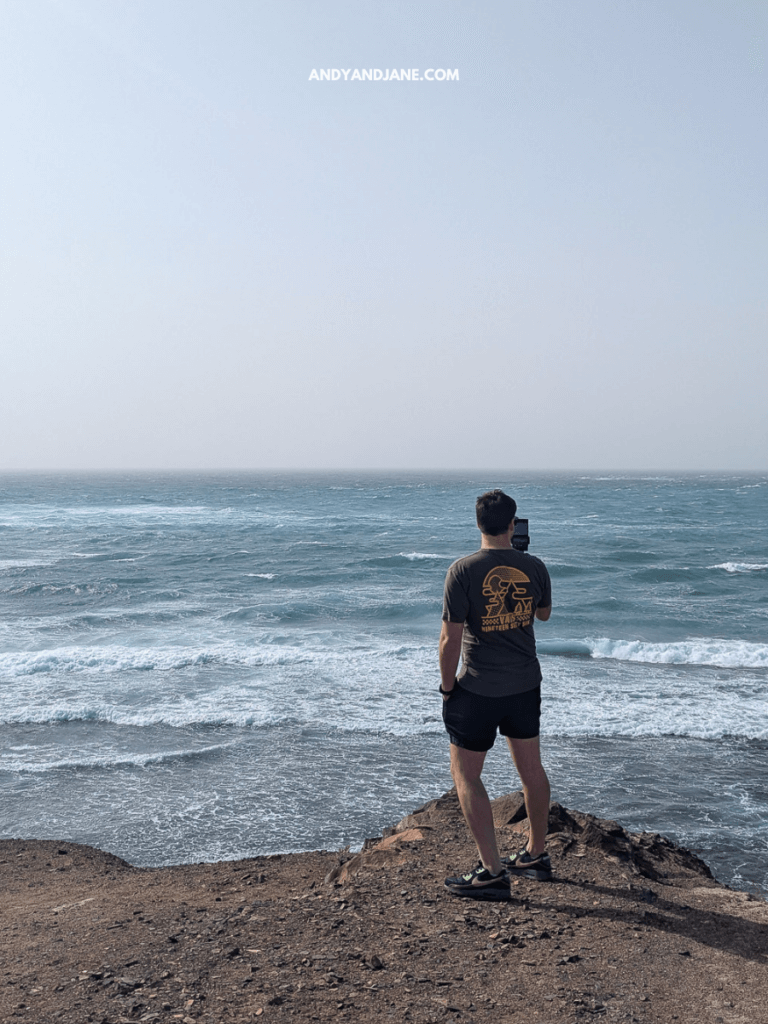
450	647
543	613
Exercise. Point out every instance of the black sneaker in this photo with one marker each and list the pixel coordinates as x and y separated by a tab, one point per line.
523	864
480	884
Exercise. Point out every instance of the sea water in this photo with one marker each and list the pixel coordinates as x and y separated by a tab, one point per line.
218	666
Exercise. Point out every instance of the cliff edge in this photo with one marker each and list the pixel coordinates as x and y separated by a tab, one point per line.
633	928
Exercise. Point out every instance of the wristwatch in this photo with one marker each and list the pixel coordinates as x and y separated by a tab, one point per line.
446	693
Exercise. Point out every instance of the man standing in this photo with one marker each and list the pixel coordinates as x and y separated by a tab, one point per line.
491	599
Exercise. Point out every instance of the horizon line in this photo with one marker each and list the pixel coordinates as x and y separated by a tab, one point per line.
461	470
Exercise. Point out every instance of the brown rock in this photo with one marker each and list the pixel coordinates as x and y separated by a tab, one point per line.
509	809
646	854
435	812
388	852
408	835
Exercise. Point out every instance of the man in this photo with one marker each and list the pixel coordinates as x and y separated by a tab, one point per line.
491	599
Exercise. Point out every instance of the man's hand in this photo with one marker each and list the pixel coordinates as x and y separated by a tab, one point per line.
450	654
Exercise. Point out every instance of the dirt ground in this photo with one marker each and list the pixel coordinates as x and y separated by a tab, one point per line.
633	928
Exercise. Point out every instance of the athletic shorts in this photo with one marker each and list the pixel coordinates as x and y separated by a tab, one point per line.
471	720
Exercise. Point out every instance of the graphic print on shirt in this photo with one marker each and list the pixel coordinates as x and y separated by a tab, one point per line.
496	586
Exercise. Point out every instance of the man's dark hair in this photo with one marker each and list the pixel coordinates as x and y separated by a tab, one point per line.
495	511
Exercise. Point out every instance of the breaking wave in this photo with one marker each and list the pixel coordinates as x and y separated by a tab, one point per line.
739	567
109	761
114	659
420	556
704	651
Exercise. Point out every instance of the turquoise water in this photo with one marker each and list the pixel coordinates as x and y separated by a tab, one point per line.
203	667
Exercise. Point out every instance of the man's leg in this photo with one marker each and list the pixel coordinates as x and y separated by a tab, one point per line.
466	766
527	758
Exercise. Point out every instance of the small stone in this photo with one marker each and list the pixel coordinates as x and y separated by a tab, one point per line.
125	985
375	963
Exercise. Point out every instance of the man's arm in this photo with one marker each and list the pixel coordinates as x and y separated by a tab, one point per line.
544	613
450	653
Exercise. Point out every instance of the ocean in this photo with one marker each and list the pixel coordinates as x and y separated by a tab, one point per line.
206	667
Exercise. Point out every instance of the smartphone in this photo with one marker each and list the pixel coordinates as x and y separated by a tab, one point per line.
520	538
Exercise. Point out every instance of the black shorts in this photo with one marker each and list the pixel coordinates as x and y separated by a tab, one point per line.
471	720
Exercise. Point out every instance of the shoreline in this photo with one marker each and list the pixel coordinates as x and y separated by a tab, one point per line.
632	928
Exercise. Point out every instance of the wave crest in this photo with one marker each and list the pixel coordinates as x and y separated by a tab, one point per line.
420	556
740	567
706	651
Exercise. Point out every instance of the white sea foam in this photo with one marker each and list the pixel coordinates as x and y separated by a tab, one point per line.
587	698
421	556
703	651
262	575
188	714
24	563
114	659
150	509
329	683
739	567
340	692
315	684
33	763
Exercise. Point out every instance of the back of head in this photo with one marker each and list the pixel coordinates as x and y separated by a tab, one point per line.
495	511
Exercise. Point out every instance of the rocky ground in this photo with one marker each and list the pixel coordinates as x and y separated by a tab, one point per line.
633	928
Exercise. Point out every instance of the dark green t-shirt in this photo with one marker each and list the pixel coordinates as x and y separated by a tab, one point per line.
495	593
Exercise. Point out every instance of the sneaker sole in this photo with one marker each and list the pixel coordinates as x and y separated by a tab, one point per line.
536	873
477	893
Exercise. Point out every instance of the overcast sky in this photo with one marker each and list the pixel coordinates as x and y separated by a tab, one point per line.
211	260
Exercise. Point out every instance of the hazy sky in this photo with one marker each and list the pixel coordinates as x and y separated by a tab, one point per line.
211	261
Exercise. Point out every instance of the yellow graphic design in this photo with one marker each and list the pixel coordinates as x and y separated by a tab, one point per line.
497	585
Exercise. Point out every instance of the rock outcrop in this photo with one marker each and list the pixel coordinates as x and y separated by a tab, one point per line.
571	835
